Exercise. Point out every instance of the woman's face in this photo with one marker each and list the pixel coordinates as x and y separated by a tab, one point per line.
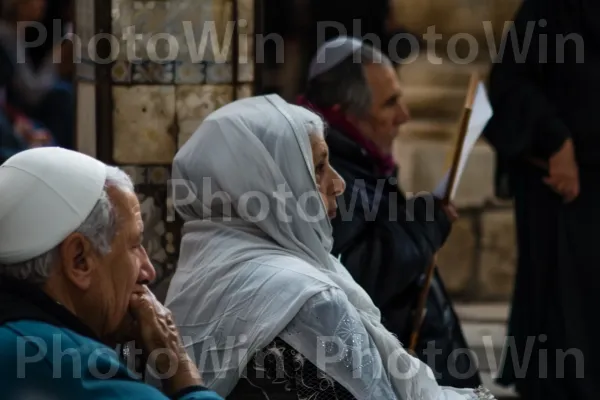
329	182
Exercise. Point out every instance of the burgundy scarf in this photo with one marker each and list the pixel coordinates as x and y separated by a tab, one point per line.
338	121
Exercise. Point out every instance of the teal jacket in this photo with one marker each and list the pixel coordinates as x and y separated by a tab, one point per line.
46	353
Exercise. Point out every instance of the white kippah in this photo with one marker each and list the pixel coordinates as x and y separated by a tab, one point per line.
46	193
332	53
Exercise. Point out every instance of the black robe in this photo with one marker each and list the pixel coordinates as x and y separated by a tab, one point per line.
538	104
388	250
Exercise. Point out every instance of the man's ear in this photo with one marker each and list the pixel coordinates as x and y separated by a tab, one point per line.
78	260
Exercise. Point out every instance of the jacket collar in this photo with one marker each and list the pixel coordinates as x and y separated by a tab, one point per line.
21	301
341	146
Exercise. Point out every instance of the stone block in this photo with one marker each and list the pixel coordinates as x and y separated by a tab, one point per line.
184	20
454	17
487	341
423	163
483	312
435	102
86	118
498	258
430	69
196	102
456	260
429	129
143	117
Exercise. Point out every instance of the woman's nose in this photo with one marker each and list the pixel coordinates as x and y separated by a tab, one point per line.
339	185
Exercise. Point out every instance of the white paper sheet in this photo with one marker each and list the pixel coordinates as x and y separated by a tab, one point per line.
440	189
480	115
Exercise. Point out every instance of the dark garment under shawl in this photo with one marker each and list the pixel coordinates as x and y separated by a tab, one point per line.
537	106
280	372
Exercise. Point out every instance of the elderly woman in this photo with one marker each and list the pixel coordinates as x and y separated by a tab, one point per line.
256	292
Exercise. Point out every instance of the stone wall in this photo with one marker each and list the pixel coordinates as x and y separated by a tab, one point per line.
157	93
478	261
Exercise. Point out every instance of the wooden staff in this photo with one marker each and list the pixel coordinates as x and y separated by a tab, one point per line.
420	310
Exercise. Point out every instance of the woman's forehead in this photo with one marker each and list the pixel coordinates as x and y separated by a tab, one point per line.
319	147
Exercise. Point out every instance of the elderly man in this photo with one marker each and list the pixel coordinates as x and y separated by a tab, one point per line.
73	275
385	240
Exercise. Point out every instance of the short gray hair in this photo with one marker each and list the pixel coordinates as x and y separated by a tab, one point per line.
100	228
345	84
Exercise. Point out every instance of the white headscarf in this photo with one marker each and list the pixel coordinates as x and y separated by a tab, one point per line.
240	281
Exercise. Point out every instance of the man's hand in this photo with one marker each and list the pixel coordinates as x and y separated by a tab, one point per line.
563	173
128	330
160	339
450	211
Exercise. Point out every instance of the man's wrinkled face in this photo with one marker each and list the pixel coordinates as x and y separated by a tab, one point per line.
387	112
99	285
127	265
107	281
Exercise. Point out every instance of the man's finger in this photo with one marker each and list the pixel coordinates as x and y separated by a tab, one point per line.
453	214
572	194
569	198
550	181
553	184
141	308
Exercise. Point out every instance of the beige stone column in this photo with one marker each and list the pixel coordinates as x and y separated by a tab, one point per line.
161	87
478	260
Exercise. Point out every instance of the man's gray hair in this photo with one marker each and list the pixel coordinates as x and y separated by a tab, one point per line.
100	228
345	84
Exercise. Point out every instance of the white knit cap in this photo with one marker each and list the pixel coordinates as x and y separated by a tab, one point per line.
332	53
46	193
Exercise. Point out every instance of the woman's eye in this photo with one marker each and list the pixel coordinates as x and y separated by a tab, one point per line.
319	169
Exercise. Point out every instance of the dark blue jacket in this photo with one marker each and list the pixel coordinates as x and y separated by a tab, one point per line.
47	353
